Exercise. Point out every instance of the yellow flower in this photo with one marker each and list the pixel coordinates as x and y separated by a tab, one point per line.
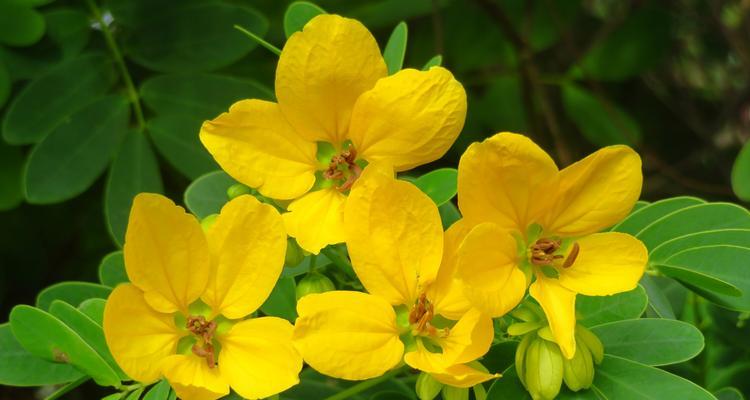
530	218
182	316
337	110
414	310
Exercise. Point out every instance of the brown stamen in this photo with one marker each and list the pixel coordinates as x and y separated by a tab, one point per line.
543	251
572	256
347	158
421	315
204	331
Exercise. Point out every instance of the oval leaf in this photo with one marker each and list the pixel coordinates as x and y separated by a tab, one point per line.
601	123
112	269
19	25
668	341
282	301
298	14
176	138
207	194
741	173
440	184
71	292
644	216
395	49
597	310
56	95
69	160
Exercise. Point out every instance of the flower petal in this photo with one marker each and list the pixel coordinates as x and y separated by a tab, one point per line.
469	339
258	359
488	267
447	292
316	219
559	305
255	144
607	263
166	254
409	118
507	179
462	375
248	246
321	73
138	337
192	379
348	335
394	236
596	192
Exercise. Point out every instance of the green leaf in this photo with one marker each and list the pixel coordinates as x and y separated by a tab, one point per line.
736	237
71	292
637	45
74	154
57	94
135	395
449	214
45	336
395	49
18	367
493	108
11	166
112	269
651	341
658	302
5	83
644	216
195	36
19	25
94	309
282	301
207	194
540	23
298	14
134	170
728	393
601	122
692	219
69	29
440	184
159	391
87	329
722	263
176	138
200	95
597	310
433	62
740	173
698	279
508	387
618	378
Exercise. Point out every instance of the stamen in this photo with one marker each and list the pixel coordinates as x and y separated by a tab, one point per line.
421	315
204	331
543	251
572	256
347	158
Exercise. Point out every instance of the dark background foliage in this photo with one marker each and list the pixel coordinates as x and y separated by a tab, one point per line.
671	78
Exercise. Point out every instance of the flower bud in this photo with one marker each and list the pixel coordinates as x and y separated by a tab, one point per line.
543	369
455	393
208	222
294	254
591	341
237	190
521	357
578	372
427	386
314	282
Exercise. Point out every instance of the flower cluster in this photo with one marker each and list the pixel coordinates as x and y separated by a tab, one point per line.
327	154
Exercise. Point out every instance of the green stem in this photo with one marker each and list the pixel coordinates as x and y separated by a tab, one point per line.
313	259
117	54
364	385
67	388
273	49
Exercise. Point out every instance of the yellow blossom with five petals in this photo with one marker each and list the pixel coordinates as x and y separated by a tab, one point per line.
415	310
530	219
183	315
337	110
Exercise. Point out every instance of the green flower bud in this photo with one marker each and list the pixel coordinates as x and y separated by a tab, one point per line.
578	372
314	282
543	369
208	222
522	328
237	190
521	357
591	341
294	254
455	393
427	386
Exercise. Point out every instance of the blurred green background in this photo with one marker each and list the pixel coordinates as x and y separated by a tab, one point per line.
670	78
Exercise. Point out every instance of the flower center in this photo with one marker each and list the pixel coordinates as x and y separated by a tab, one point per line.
204	332
420	317
343	169
543	253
